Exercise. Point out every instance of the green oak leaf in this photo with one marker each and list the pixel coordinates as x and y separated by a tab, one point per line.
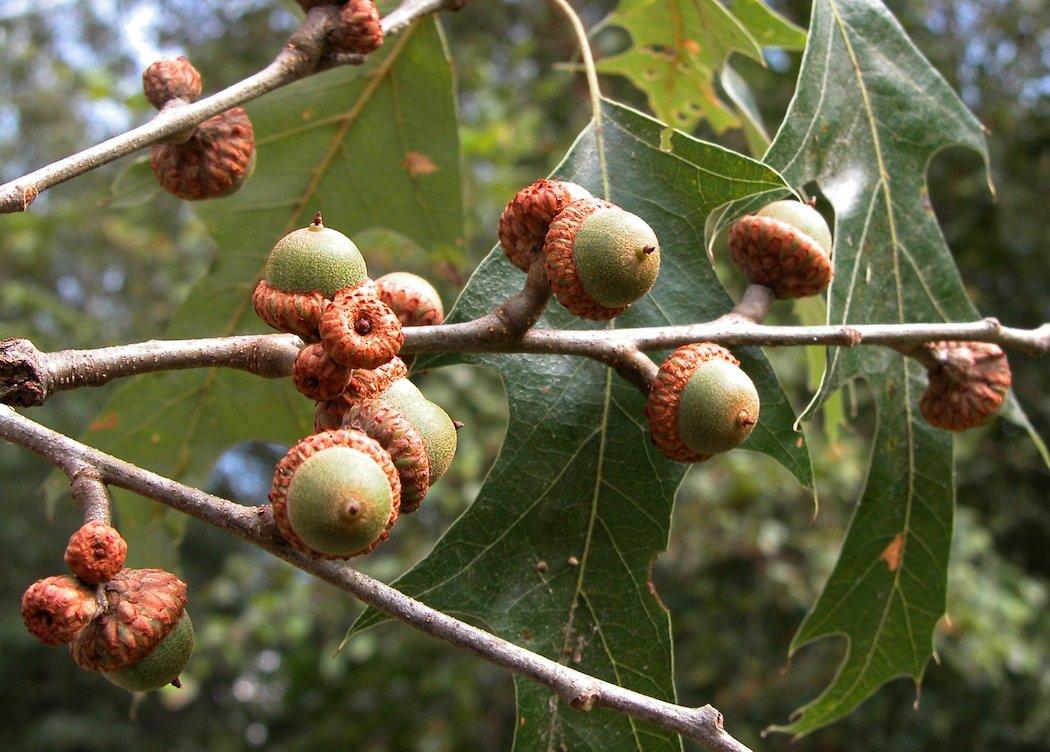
340	142
869	114
767	26
555	552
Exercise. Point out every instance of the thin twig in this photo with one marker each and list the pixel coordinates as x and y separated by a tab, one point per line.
255	524
299	58
90	494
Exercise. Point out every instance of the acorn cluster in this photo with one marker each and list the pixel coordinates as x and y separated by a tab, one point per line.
379	442
357	30
130	625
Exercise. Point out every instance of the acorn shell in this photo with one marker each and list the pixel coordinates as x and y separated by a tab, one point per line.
665	395
778	254
399	437
967	387
411	298
142	608
213	162
359	330
96	552
358	30
317	376
364	385
162	665
171	78
440	437
525	220
315	258
56	609
310	446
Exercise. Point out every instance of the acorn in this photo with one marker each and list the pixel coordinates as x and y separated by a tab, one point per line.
413	300
358	30
600	258
171	78
785	246
359	330
700	403
143	638
215	160
335	494
317	376
304	271
399	437
440	436
967	386
364	385
525	220
96	552
56	609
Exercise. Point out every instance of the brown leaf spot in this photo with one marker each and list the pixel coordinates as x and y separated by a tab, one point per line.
893	552
418	164
106	422
691	46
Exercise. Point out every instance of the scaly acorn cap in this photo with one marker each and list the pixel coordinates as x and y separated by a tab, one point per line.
162	665
142	608
216	159
364	385
968	385
525	220
688	422
438	430
359	330
396	434
326	506
317	376
411	298
600	258
785	246
171	78
358	30
96	552
56	609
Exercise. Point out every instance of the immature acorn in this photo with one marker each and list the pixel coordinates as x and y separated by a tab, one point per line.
439	432
364	385
96	552
525	220
215	160
359	330
399	437
171	78
305	269
700	403
56	609
411	298
143	638
600	258
967	386
785	246
335	494
317	376
358	30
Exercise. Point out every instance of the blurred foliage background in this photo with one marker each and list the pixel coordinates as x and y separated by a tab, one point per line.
747	556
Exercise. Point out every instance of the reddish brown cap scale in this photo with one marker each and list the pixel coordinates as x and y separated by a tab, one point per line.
968	385
775	253
665	395
411	298
143	607
308	447
359	30
213	162
171	78
292	312
364	385
396	434
359	330
524	223
96	552
317	376
55	609
561	264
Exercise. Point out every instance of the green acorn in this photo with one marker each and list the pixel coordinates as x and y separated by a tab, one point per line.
433	423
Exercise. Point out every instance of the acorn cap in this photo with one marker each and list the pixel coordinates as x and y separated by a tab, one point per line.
665	396
617	256
786	246
315	259
56	609
96	552
411	298
364	385
718	408
358	30
440	437
293	312
399	437
171	78
525	220
213	162
142	608
162	665
317	376
316	485
359	330
968	385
